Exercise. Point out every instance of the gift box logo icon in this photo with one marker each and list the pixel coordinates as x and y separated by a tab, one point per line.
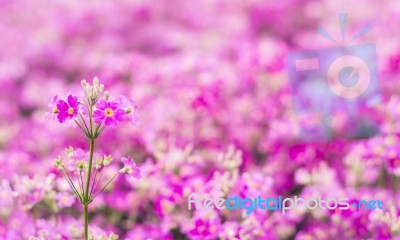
324	81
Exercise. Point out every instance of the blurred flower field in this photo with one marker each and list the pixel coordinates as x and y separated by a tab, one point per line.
215	118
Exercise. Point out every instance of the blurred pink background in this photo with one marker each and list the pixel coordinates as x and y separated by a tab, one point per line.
216	118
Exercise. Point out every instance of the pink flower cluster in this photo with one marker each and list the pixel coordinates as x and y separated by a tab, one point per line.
216	119
107	111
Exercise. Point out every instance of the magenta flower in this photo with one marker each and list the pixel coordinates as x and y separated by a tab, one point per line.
130	168
67	110
109	112
205	229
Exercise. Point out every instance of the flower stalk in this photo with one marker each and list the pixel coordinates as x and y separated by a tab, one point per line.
92	115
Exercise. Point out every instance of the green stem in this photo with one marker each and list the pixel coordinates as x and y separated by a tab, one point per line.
86	210
89	169
86	198
81	182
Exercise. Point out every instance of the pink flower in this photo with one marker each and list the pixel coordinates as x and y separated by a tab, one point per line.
6	194
53	110
130	108
109	112
65	200
67	110
76	157
130	168
393	160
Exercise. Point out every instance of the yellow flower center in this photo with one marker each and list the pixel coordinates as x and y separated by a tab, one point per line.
71	111
129	110
55	109
109	112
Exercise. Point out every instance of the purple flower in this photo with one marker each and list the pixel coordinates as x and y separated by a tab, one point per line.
67	110
130	168
109	112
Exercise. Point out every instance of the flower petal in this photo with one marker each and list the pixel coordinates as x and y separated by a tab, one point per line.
62	116
111	122
72	101
102	104
124	160
98	116
113	105
62	106
136	173
119	115
76	110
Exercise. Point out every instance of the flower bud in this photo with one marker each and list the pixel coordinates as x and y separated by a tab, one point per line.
126	170
70	152
84	83
107	160
106	95
95	82
58	163
81	165
113	236
99	162
88	90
